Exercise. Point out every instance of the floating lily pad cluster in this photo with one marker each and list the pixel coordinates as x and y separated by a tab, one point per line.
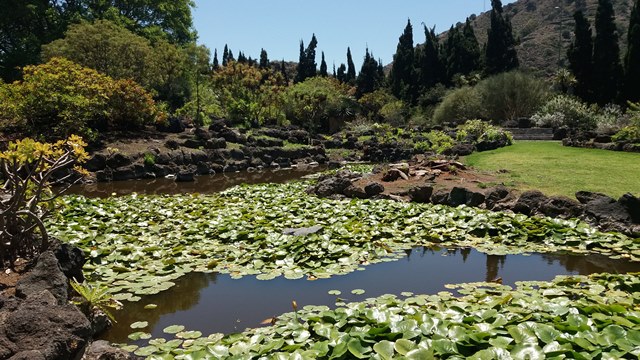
571	317
140	244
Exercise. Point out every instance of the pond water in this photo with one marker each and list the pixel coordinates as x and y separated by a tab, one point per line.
214	303
206	184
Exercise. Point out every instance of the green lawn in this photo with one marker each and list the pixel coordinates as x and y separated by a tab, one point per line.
558	170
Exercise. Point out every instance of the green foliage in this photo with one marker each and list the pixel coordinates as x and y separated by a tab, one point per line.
511	95
318	102
500	53
27	194
395	113
370	78
631	82
97	296
429	69
459	106
371	104
474	131
402	75
307	62
149	159
350	76
631	132
60	98
461	52
563	110
440	141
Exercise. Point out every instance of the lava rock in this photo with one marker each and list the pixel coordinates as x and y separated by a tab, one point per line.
560	206
420	193
102	350
46	275
353	191
529	202
373	189
495	195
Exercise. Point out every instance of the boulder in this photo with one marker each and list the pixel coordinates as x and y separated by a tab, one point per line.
46	275
173	125
474	198
102	350
172	144
71	260
202	134
193	143
632	205
529	202
186	175
560	206
495	195
460	150
354	191
217	143
28	355
233	136
97	162
118	160
124	173
440	196
420	193
457	196
585	197
42	324
604	209
373	189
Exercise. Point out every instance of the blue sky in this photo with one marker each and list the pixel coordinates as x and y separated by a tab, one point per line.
279	25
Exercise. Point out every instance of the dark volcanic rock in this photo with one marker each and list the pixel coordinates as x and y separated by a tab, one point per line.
474	198
529	202
440	196
186	175
373	189
632	205
46	275
71	260
41	324
217	143
354	191
588	196
102	350
495	195
420	193
460	150
560	206
118	160
457	196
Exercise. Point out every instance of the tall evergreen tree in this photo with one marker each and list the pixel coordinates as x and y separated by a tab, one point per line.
241	57
216	63
302	61
283	70
500	55
225	55
462	52
323	66
429	68
334	70
606	55
401	77
631	89
230	57
264	59
342	73
580	56
307	64
369	78
351	68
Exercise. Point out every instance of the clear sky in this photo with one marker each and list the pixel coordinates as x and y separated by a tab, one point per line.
279	25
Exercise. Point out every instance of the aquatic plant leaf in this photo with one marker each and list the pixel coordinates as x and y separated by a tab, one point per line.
173	329
139	325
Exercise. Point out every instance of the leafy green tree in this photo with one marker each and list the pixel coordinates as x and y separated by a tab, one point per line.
461	52
351	68
631	90
323	66
428	67
500	53
580	56
369	78
607	67
264	59
402	75
107	48
511	95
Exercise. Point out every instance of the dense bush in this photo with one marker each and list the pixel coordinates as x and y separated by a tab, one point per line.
630	133
459	106
372	103
439	141
60	98
320	104
475	131
511	95
563	110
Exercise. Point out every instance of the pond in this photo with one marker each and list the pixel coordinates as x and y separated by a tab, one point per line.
213	303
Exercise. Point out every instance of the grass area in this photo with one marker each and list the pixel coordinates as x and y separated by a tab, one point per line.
558	170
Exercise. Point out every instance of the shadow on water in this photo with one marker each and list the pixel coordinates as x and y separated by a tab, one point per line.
205	184
216	303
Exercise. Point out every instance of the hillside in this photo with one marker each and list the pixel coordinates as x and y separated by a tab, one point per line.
545	29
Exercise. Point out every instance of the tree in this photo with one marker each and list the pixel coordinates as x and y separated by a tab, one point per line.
216	63
580	56
401	77
307	62
500	54
369	78
631	90
461	52
342	73
429	69
606	55
225	55
323	66
351	68
264	59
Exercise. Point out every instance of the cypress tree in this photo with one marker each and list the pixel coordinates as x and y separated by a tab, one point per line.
334	70
580	56
469	51
264	59
283	70
351	68
310	54
323	67
631	90
241	57
369	78
230	57
607	69
401	77
302	62
225	55
216	63
429	68
500	55
342	76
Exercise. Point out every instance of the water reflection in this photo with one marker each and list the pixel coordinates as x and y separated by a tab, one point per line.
211	303
206	184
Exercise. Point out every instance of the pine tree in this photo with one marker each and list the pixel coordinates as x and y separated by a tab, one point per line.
401	77
606	55
429	68
264	59
323	67
342	76
631	90
216	63
580	56
225	55
351	68
500	55
369	78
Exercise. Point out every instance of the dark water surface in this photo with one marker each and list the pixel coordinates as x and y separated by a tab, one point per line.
214	303
206	184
